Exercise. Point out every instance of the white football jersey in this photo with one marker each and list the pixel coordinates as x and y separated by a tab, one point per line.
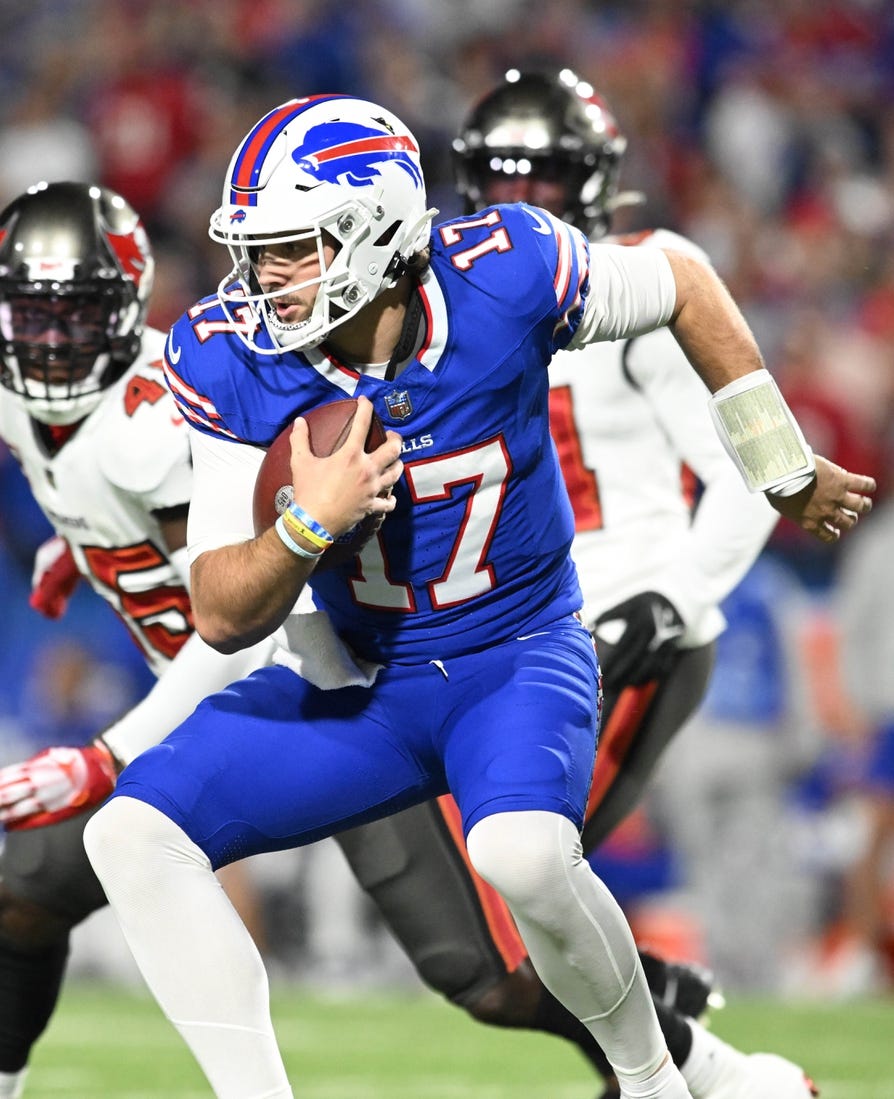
633	430
129	458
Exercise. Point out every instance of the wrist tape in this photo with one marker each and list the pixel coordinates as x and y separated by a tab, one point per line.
761	435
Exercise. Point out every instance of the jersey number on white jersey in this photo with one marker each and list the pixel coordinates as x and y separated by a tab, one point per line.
581	482
158	616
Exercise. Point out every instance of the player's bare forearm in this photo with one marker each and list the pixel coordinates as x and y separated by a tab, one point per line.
242	593
720	346
831	504
709	326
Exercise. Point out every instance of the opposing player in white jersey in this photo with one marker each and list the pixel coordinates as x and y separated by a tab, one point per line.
635	440
85	410
637	443
107	456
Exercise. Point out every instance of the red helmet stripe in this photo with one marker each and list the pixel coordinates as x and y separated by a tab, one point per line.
399	143
257	145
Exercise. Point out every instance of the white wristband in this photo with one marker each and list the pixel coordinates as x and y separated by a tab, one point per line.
289	542
761	435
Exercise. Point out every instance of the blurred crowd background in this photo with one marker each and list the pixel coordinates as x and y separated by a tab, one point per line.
763	130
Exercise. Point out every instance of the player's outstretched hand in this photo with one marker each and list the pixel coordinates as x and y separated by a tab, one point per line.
831	505
54	577
55	785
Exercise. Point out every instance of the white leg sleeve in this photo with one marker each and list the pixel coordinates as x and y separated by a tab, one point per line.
193	950
576	934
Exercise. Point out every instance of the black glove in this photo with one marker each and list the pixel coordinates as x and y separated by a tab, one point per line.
645	648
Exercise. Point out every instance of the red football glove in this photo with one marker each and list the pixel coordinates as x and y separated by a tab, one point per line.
54	578
54	785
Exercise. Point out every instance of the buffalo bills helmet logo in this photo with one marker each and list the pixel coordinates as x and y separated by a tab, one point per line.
237	215
351	153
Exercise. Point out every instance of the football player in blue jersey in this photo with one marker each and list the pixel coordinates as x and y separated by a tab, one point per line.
452	925
101	446
457	658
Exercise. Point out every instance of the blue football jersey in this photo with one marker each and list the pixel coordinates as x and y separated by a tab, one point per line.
477	548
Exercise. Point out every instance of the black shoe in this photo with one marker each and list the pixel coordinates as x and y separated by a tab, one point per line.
684	986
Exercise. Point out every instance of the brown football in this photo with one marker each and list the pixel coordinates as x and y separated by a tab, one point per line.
328	427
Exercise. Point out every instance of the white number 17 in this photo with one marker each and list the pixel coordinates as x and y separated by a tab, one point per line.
466	573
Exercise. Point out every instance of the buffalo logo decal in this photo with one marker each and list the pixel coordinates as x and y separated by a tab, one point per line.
351	153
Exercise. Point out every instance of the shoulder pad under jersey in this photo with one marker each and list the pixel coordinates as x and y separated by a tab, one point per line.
221	386
522	257
143	440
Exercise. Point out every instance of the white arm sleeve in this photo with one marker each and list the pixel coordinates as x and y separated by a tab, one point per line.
220	510
196	672
224	475
632	291
179	558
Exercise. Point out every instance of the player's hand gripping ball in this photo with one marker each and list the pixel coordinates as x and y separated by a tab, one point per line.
328	427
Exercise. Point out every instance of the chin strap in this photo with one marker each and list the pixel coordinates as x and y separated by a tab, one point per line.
421	228
623	199
409	335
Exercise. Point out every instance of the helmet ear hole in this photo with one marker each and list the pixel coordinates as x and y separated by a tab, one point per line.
384	239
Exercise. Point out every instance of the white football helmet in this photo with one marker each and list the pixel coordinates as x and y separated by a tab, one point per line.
323	164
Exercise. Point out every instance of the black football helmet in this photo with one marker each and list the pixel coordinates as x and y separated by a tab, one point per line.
552	126
76	272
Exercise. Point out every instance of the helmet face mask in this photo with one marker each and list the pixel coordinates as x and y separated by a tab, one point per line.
542	129
340	172
75	277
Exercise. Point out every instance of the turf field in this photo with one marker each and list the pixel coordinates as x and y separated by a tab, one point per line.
106	1042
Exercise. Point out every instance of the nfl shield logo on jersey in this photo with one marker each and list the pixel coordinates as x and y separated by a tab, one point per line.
398	404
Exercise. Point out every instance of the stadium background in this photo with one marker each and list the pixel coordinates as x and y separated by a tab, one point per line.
762	130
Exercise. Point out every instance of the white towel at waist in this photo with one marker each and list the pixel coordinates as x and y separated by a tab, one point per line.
307	643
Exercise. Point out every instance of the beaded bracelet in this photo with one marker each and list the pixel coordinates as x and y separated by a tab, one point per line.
289	542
